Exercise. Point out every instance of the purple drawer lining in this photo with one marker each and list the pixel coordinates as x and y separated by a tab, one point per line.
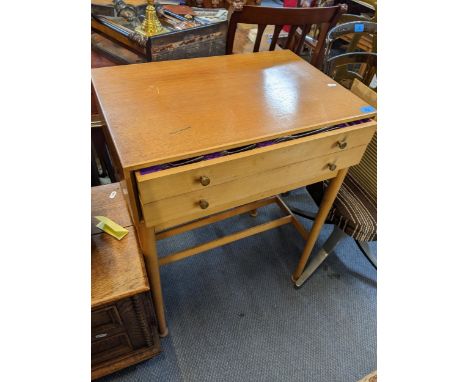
219	154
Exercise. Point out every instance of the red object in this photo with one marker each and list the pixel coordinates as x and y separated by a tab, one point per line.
179	9
293	4
290	4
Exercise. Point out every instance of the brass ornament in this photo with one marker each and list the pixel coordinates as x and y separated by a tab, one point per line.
151	25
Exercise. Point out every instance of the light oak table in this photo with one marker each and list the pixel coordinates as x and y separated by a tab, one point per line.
161	112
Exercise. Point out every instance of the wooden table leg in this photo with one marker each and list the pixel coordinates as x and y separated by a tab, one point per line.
324	209
148	244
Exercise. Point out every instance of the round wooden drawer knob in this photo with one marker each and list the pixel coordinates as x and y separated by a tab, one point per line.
204	180
342	144
203	204
332	166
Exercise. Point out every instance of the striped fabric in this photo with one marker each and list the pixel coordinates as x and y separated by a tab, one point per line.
355	211
355	207
365	173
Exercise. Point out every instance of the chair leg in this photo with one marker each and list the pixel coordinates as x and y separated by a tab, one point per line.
364	247
327	248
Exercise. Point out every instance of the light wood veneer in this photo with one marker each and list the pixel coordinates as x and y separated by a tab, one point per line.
162	112
165	111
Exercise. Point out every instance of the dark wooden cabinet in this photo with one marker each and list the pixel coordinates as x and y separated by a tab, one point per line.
123	333
123	322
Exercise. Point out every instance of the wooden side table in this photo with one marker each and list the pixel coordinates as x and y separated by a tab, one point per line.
123	322
169	124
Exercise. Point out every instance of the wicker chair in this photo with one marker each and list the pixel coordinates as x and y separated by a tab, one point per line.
354	212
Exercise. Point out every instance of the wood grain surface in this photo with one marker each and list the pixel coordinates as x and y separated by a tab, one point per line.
117	269
164	111
113	208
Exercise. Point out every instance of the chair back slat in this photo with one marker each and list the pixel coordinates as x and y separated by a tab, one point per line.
372	4
274	38
258	39
340	67
250	14
357	29
305	31
353	27
353	58
290	41
279	17
320	46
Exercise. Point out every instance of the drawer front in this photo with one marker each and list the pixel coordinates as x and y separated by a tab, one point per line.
188	178
110	348
129	339
182	208
105	322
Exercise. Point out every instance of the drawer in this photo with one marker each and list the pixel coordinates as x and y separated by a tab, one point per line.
182	208
110	348
181	180
124	333
105	322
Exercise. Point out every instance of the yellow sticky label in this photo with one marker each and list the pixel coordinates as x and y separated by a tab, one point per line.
111	227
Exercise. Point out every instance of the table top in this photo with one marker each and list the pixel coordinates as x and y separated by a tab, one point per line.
117	267
108	200
160	112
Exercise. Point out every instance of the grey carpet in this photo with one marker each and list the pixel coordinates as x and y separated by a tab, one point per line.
234	315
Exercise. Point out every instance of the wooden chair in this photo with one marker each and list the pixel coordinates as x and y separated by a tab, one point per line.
353	64
354	212
298	18
360	10
357	29
346	67
371	5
